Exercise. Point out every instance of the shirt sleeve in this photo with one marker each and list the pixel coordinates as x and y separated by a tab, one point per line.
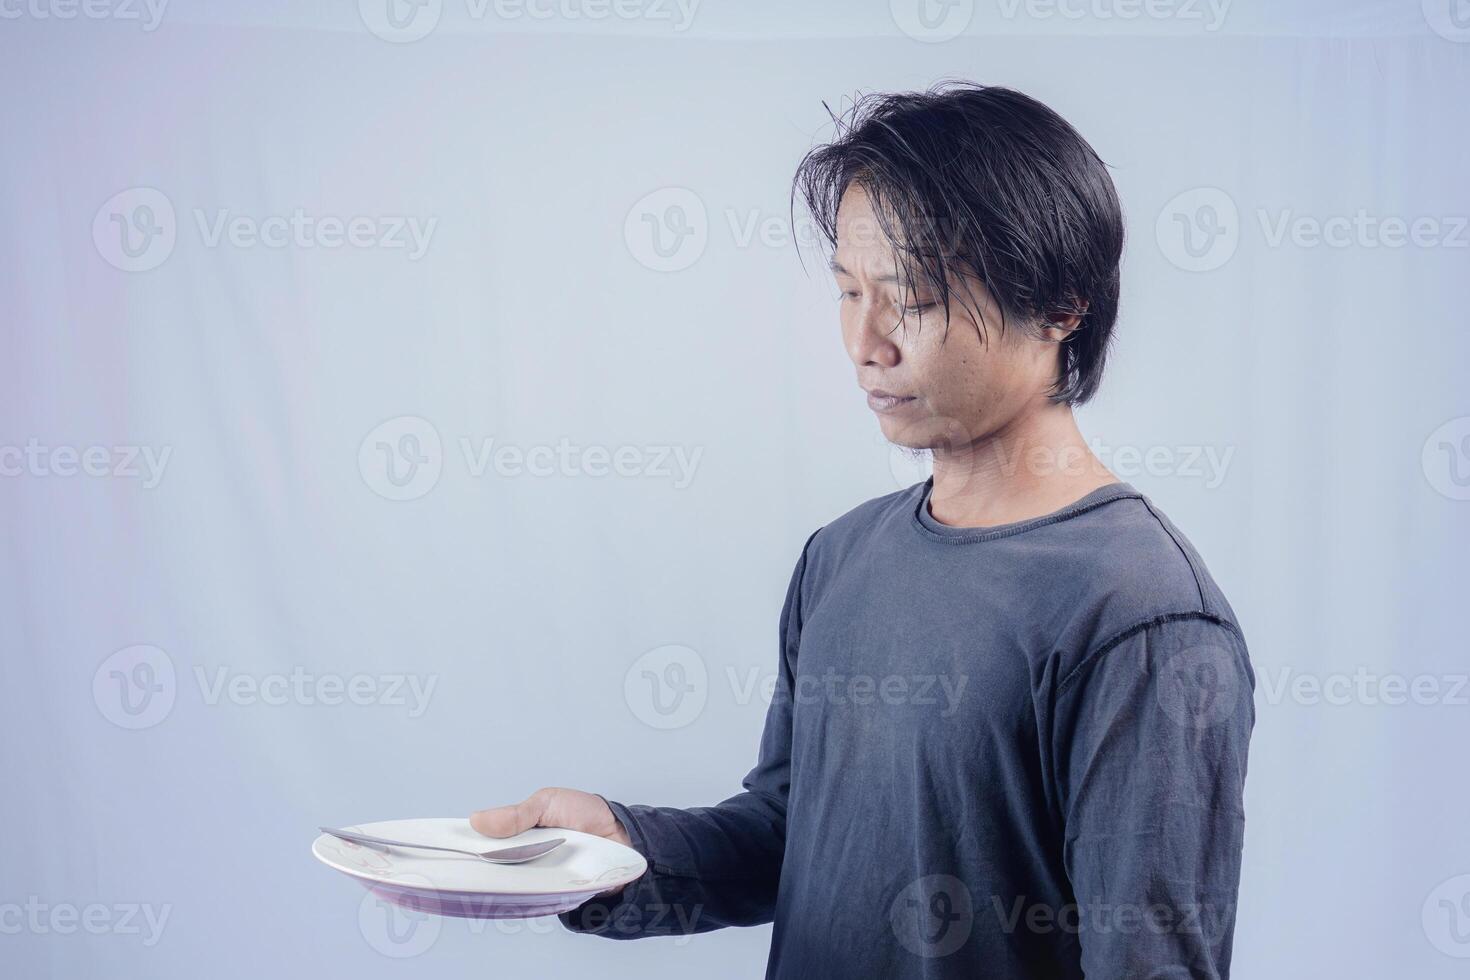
717	866
1151	741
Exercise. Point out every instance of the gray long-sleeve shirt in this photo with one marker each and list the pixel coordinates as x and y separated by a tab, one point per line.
1002	752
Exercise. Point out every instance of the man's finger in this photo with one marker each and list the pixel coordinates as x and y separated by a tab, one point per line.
507	821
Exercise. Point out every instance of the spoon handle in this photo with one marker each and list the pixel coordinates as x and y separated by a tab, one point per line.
371	841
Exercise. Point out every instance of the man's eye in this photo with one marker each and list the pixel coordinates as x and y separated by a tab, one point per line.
919	308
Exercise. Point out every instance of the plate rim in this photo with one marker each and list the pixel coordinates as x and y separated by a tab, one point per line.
640	863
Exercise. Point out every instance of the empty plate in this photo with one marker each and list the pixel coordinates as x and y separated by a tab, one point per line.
447	884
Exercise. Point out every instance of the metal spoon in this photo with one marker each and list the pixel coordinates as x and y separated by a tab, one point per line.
505	855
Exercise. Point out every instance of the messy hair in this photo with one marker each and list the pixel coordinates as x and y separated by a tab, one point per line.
982	181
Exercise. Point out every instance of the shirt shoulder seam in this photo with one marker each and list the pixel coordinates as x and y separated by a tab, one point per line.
1204	605
1122	635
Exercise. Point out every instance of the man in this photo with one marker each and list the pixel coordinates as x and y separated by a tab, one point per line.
1009	735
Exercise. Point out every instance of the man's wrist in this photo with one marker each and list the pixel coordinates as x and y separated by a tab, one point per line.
619	831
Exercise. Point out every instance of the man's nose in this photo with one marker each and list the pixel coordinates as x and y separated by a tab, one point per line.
872	337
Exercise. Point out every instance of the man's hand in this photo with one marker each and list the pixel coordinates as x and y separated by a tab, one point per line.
552	807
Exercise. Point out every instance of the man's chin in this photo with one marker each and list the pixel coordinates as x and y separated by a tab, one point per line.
919	435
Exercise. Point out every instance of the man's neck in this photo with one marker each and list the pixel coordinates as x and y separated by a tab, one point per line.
1036	464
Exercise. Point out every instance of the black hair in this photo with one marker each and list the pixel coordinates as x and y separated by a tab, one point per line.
990	183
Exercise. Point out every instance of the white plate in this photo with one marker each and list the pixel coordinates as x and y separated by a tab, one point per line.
446	884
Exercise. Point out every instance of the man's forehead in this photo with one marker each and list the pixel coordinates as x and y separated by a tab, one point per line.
868	266
858	227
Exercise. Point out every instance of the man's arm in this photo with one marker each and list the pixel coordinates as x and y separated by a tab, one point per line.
1151	738
708	867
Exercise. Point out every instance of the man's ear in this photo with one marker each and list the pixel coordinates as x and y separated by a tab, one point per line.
1058	326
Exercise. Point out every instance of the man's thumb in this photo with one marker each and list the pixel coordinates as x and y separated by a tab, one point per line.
507	821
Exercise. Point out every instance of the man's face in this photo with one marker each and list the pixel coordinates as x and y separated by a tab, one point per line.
930	390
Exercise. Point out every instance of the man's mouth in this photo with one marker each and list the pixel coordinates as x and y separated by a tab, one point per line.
884	401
